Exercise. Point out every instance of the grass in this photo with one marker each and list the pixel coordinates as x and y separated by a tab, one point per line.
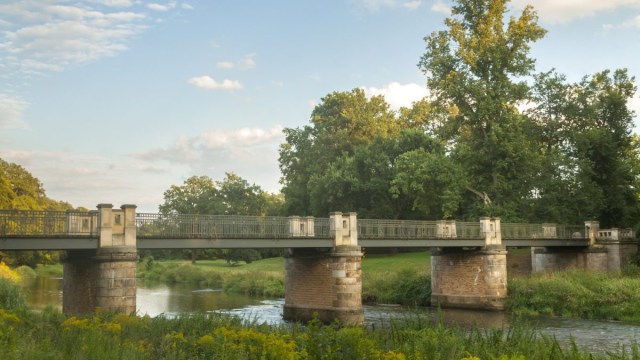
51	335
578	294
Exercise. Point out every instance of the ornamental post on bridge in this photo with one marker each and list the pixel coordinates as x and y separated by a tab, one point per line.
471	278
104	278
326	284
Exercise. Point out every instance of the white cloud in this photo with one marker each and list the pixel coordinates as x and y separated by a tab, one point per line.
375	5
208	83
48	36
11	112
412	5
186	6
114	3
245	63
161	7
555	11
398	95
441	7
86	180
634	104
251	152
225	65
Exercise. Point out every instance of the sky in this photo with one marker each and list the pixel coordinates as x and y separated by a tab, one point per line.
114	101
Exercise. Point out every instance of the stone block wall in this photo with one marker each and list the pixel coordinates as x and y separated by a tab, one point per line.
326	285
469	278
555	259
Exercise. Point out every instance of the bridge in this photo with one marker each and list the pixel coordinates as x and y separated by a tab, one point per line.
469	265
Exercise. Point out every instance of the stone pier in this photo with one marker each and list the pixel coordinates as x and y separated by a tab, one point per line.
471	278
104	278
608	250
326	285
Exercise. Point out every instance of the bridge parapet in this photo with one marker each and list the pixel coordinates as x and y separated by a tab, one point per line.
615	234
47	224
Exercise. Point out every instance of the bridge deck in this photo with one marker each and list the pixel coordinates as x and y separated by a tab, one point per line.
51	230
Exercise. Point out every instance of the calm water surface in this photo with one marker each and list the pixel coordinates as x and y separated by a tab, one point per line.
155	300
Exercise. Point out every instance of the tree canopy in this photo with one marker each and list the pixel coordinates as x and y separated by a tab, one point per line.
494	138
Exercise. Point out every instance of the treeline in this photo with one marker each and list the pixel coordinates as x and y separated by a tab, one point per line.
494	138
20	190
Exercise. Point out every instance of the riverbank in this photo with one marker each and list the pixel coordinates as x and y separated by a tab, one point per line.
52	335
404	279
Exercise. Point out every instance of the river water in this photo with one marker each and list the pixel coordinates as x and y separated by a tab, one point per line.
155	300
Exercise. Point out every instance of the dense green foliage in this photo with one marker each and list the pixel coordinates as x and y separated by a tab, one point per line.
11	296
493	138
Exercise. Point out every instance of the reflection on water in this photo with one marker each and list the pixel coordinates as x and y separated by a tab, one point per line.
154	300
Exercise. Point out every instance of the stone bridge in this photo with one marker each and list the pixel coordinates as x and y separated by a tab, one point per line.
323	255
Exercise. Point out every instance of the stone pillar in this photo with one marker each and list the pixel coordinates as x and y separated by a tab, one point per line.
557	259
326	284
621	247
591	229
471	279
104	278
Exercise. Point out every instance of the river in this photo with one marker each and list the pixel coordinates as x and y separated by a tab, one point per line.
155	300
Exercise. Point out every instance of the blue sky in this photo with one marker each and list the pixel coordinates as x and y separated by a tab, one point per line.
114	101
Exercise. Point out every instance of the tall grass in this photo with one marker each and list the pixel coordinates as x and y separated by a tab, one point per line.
11	296
577	294
50	335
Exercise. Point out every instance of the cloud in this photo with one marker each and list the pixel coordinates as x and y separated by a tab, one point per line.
634	104
208	83
377	5
114	3
412	5
555	11
251	152
11	112
398	95
441	7
186	6
161	7
44	36
245	63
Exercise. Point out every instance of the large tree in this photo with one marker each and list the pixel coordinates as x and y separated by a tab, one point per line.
478	66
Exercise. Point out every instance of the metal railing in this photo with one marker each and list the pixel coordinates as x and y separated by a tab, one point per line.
26	223
541	231
468	230
396	229
220	226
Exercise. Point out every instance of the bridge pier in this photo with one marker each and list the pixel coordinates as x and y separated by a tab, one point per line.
608	250
471	278
99	279
104	278
326	285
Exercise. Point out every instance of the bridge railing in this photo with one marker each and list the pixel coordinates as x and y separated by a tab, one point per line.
26	223
222	226
416	229
541	231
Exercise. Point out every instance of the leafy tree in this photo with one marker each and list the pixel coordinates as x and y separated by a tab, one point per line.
604	145
341	123
478	67
20	190
231	196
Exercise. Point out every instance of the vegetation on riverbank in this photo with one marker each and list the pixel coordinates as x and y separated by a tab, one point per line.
578	294
51	335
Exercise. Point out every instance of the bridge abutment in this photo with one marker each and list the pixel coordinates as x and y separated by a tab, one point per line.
326	285
104	278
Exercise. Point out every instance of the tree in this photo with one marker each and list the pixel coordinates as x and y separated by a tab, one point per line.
341	123
231	196
20	190
478	68
605	147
